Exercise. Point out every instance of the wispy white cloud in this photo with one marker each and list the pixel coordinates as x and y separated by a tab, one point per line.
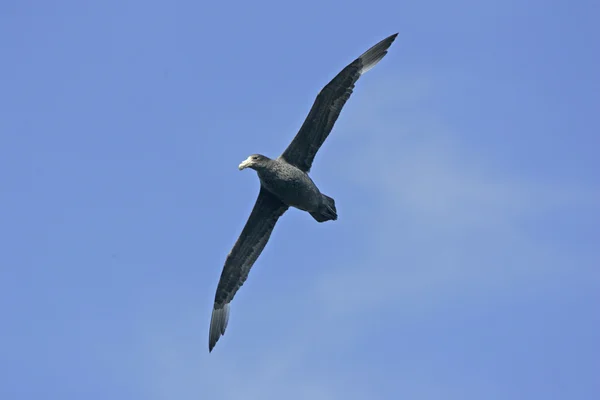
446	219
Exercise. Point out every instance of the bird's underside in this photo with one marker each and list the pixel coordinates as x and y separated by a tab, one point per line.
296	160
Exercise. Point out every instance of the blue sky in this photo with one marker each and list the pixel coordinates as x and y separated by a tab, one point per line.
464	262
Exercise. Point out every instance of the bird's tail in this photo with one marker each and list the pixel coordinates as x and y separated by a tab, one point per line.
327	211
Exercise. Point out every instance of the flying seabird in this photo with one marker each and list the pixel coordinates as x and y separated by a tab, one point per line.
284	183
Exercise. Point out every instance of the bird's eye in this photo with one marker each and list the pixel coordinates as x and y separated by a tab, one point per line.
255	158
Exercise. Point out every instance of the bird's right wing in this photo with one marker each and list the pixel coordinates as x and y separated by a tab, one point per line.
328	105
255	235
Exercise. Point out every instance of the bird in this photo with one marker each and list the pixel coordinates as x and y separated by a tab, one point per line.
285	183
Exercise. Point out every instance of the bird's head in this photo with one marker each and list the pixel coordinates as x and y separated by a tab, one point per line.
255	161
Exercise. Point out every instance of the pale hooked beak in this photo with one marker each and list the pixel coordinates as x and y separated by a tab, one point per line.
245	164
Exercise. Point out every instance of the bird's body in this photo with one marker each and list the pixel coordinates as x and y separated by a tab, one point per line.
290	185
284	183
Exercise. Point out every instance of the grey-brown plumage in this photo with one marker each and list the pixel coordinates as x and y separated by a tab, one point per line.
285	183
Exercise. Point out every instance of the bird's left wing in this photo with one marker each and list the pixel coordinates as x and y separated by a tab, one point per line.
328	105
267	210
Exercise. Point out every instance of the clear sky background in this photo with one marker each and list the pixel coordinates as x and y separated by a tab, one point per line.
465	261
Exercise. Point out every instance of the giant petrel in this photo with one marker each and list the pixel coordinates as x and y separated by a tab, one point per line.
284	183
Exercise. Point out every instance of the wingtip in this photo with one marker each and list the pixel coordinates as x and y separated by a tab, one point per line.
392	37
371	57
218	324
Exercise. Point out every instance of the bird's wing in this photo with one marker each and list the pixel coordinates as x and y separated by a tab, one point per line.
267	210
328	105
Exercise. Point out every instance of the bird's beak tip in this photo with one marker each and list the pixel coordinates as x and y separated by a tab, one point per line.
244	164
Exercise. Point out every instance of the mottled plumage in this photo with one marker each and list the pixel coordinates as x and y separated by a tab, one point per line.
285	183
